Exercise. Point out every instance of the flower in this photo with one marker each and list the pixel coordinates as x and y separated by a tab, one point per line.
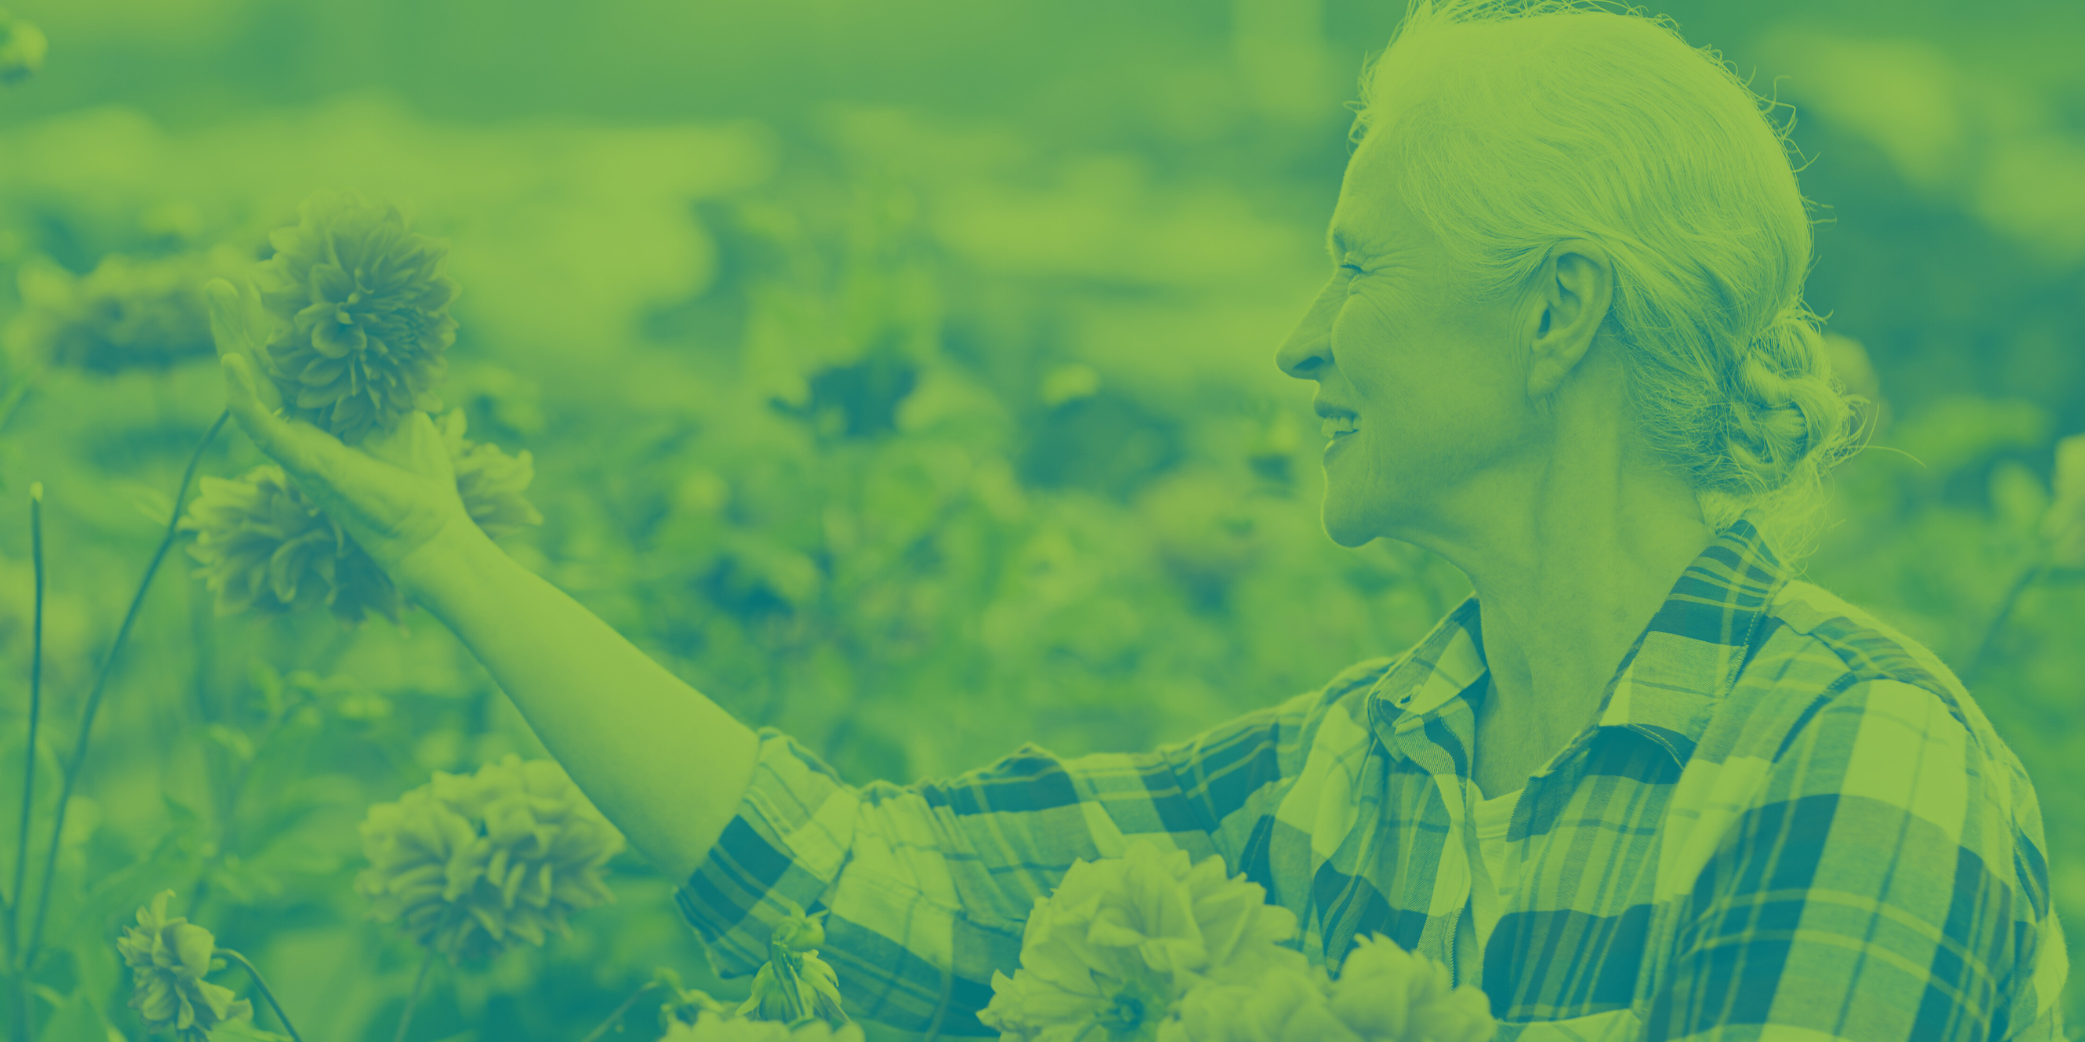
710	1027
22	46
471	863
1120	941
263	546
795	985
167	959
365	315
1383	994
1387	994
2064	525
490	481
1286	1005
127	313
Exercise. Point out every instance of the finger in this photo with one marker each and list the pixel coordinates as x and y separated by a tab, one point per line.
233	327
430	448
226	324
270	432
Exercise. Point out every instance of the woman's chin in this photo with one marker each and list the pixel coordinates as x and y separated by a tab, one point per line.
1343	526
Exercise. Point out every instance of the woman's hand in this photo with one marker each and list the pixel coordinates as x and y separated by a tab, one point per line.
394	492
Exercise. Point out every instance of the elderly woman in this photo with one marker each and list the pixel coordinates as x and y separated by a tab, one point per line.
1643	783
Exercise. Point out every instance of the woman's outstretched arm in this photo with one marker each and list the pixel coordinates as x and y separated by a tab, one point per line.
664	763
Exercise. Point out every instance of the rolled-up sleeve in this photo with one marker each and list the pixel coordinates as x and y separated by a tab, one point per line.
1888	882
926	886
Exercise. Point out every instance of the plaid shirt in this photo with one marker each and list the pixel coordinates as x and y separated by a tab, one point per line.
1788	821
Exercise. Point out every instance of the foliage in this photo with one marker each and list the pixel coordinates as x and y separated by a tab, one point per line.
22	48
919	428
712	1028
127	313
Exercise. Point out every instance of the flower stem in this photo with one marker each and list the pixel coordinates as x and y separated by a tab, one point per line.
101	680
1999	618
405	1018
21	846
617	1016
255	973
24	1014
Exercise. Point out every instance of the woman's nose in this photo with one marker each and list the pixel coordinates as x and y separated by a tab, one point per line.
1309	346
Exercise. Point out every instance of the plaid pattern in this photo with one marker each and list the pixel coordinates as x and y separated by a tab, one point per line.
1789	822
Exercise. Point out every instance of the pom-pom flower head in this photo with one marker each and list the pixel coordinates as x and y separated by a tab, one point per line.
1387	994
469	864
490	481
1110	953
168	958
263	546
364	316
1286	1005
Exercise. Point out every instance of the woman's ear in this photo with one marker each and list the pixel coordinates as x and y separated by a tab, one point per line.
1572	293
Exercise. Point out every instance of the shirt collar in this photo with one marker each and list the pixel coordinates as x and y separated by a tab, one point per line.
1667	687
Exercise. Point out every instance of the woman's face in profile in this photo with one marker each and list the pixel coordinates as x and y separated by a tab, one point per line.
1416	371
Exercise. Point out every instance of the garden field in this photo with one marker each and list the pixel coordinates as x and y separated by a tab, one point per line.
900	375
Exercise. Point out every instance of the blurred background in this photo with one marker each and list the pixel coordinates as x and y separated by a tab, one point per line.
900	375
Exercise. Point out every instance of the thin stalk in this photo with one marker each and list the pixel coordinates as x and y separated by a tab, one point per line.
101	681
21	845
258	982
24	1013
1999	618
617	1016
405	1019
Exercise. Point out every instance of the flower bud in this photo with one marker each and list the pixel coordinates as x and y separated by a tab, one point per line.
794	987
168	958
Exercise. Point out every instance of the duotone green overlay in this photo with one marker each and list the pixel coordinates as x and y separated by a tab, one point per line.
1090	521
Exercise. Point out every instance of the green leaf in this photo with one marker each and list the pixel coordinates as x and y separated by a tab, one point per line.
78	1020
151	501
233	740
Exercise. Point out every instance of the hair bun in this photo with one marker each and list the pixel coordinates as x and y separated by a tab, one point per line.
1786	415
